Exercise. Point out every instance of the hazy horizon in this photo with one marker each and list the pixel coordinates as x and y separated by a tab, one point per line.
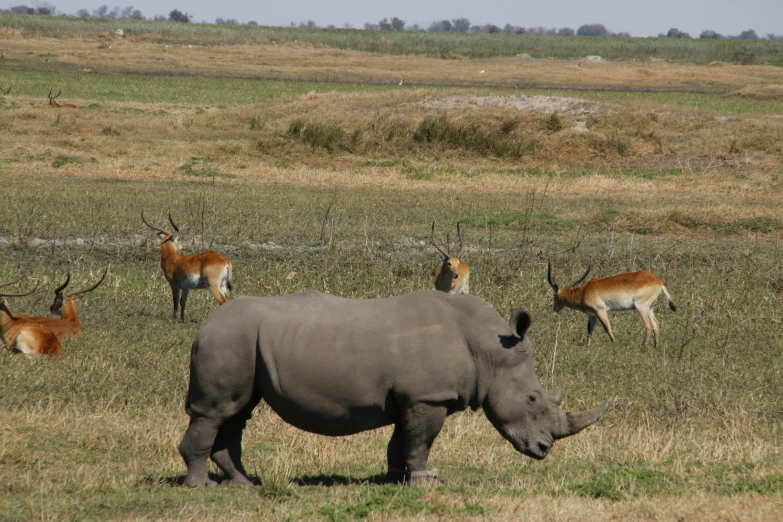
642	18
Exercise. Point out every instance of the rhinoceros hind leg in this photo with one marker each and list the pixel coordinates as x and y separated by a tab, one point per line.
395	456
422	423
227	451
195	448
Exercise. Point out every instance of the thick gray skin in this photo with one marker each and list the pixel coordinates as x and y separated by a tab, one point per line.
337	366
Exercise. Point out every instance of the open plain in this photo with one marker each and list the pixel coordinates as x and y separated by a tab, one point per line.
318	167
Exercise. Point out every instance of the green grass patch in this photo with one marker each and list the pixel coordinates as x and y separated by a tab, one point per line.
203	168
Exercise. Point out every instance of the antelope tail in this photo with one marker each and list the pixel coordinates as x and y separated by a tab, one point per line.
671	302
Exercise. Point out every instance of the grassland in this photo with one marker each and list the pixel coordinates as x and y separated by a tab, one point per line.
685	184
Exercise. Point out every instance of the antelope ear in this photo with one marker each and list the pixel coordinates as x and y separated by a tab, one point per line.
519	322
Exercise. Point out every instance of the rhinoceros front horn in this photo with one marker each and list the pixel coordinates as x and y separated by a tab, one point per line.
572	423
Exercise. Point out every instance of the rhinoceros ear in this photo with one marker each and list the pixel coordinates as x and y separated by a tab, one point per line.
519	322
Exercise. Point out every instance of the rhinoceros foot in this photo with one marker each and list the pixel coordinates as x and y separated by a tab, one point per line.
394	476
427	478
236	482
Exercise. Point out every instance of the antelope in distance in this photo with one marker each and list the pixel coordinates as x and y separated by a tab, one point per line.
68	324
25	335
453	275
628	291
185	273
5	91
53	101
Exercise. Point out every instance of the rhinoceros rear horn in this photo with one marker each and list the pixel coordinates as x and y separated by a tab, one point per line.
556	395
572	423
519	322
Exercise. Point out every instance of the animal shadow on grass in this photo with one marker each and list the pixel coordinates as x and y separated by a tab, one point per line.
338	480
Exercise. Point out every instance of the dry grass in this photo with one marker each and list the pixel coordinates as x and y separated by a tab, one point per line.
131	55
694	431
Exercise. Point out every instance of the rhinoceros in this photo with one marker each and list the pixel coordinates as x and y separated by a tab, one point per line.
335	366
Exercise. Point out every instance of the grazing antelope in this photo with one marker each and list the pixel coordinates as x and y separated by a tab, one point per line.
630	291
54	103
453	275
68	325
25	335
5	91
185	273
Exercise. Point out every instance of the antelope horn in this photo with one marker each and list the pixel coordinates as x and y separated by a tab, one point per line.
583	276
176	228
20	294
461	245
154	228
549	278
11	282
62	287
50	93
91	288
572	423
432	237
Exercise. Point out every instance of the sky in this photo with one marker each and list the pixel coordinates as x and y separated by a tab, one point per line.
637	17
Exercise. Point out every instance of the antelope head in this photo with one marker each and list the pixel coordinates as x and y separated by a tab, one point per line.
60	297
453	274
559	303
165	236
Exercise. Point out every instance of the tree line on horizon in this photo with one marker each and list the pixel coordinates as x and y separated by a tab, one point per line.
455	25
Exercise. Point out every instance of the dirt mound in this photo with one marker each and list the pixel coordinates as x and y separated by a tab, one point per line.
761	92
546	104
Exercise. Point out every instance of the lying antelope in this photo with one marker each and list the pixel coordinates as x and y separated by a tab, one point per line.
5	91
68	325
53	102
25	335
629	291
185	273
453	275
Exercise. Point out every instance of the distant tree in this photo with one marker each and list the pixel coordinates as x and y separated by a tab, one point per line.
460	25
397	24
230	21
83	13
129	13
384	25
252	22
370	27
566	31
159	18
443	26
310	24
178	16
493	29
676	33
750	34
510	29
771	36
21	9
710	35
101	11
592	30
623	34
415	28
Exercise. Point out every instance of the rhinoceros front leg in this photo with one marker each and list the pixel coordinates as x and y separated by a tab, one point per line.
421	424
195	448
227	452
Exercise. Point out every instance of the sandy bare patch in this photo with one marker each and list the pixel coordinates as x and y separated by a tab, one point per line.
522	102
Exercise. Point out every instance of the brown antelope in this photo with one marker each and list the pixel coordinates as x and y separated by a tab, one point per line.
25	335
629	291
5	91
54	103
68	325
453	275
185	273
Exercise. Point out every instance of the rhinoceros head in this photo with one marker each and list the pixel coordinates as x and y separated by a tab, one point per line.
525	414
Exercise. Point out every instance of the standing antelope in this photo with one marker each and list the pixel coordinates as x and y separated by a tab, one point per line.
25	335
453	275
68	325
54	103
629	291
185	273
